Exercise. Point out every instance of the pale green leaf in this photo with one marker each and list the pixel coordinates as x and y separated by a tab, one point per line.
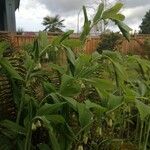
85	116
98	14
113	10
70	86
144	109
114	101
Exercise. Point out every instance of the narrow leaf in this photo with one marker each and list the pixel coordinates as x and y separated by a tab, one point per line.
9	69
98	14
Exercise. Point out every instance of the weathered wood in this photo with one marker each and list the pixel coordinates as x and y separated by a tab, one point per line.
135	46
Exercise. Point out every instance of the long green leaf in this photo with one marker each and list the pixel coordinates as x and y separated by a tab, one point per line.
144	109
54	142
66	35
119	17
13	127
98	14
113	10
48	109
70	55
86	27
124	29
91	105
70	101
9	69
56	119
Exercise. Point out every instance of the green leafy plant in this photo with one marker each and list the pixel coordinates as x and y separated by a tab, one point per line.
101	14
97	101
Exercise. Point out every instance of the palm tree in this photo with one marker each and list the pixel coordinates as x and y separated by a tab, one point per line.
53	24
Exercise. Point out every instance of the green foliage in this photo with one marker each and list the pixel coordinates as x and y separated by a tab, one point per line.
89	103
70	86
53	24
145	25
109	41
101	14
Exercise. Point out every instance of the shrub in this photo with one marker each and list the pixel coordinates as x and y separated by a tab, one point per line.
109	41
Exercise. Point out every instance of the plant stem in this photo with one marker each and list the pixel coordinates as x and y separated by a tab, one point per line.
29	131
21	105
141	132
147	135
137	128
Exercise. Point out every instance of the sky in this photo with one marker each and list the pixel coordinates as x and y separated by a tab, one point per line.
30	15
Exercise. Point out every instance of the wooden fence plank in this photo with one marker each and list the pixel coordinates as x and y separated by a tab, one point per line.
134	46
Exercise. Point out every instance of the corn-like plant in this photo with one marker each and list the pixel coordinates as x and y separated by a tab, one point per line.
100	101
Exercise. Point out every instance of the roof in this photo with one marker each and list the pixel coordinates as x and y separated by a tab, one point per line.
17	3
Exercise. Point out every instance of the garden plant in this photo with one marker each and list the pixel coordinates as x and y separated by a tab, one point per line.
91	102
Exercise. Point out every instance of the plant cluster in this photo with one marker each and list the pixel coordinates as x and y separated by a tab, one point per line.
92	102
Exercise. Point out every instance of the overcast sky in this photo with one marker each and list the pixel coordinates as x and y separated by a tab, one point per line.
31	12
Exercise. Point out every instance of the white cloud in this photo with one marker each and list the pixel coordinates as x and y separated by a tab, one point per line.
30	15
134	15
31	12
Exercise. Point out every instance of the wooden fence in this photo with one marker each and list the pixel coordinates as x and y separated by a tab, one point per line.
135	46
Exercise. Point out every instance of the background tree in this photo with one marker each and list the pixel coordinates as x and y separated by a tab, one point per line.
145	25
53	24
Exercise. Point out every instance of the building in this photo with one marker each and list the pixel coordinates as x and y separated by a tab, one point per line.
7	15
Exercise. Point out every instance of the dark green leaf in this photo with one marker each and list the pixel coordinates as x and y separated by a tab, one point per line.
124	29
70	101
56	119
36	50
43	147
12	127
48	109
54	142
